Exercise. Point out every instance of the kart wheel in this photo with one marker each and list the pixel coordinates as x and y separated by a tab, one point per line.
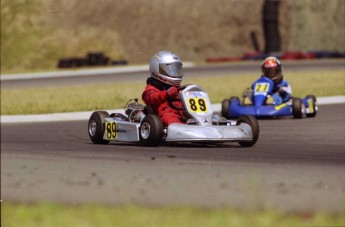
225	107
250	120
151	130
313	98
148	110
96	127
234	98
297	107
231	101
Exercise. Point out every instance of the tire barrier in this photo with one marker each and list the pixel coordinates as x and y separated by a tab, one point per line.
289	55
91	59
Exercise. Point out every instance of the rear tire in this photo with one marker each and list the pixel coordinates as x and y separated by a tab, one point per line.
96	127
225	107
151	131
250	120
234	98
313	114
148	110
297	107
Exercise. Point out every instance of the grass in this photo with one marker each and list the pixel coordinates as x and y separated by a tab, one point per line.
87	215
29	41
19	34
112	96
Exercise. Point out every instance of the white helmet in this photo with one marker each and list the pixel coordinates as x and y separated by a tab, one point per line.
166	67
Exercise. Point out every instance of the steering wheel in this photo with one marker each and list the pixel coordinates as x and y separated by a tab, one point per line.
171	100
182	87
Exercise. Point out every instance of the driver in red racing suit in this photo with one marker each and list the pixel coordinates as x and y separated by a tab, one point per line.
161	92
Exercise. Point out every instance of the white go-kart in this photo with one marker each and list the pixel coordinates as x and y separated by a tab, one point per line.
140	125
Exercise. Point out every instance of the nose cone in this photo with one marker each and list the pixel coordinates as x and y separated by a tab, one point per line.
259	100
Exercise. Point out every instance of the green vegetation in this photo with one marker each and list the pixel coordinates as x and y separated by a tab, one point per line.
50	215
35	34
112	96
19	35
31	41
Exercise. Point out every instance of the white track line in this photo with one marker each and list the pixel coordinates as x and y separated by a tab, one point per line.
74	116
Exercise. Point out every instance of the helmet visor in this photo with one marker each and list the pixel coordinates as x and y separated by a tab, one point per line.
172	69
271	72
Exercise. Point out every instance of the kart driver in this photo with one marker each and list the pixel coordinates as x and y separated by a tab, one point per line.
272	69
161	91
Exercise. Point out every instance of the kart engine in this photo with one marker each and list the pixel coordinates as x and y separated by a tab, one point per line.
134	110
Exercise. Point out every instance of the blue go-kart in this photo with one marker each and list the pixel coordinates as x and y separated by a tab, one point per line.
260	104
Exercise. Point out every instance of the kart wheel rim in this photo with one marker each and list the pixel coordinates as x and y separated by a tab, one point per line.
145	130
92	127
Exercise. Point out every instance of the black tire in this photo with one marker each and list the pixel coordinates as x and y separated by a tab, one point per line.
297	108
255	129
225	107
234	98
96	127
151	131
314	106
148	110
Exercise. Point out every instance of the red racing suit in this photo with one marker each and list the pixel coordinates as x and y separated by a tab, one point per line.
158	100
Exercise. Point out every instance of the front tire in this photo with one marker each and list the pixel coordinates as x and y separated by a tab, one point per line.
250	120
151	131
297	107
96	127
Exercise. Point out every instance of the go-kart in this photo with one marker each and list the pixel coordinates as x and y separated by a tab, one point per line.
139	124
261	104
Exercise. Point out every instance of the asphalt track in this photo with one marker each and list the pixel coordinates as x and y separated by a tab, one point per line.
296	165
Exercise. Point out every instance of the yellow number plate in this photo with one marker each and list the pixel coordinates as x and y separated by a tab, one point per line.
197	105
110	128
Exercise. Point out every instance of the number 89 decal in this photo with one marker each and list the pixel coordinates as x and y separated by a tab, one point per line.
111	130
197	105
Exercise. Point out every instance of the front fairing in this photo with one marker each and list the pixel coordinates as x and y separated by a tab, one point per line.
197	104
261	111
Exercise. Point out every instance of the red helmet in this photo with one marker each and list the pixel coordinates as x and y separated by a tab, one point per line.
272	68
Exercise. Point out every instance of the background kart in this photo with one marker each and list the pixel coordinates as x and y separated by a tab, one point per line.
141	125
261	106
